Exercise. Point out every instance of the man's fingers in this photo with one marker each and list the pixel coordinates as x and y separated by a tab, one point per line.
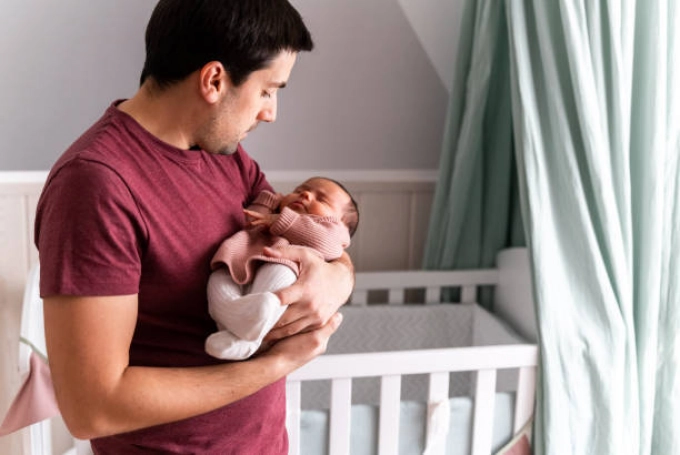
335	322
301	325
284	331
290	294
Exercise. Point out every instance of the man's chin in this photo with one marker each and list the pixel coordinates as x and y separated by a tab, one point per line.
229	150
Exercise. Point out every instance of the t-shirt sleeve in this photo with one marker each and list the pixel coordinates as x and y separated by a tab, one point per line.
89	233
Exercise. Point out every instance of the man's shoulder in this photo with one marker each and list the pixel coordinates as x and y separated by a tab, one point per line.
99	142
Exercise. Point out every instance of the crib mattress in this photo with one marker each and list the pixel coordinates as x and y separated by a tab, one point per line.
374	328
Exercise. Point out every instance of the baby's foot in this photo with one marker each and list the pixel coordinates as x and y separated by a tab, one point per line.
224	345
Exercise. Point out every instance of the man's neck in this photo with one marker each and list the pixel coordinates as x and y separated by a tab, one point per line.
166	114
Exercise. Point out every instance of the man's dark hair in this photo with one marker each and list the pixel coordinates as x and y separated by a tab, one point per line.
244	35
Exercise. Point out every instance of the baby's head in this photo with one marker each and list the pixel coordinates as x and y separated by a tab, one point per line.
324	197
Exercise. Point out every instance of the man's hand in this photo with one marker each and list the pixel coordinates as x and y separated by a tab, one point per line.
299	349
320	290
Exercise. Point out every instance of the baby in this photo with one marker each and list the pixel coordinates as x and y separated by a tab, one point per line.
319	214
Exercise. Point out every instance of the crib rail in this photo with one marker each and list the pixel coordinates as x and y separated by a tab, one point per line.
432	281
341	369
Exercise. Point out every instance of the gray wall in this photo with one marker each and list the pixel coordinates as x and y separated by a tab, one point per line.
372	95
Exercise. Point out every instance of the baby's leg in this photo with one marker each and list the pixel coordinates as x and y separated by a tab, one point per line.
271	277
222	289
249	318
253	315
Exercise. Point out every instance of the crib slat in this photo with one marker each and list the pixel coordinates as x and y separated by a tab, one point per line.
359	297
433	294
341	412
293	399
524	400
482	426
390	396
468	294
439	386
396	296
435	443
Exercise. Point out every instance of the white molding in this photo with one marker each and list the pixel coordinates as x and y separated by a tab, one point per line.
358	175
10	177
351	175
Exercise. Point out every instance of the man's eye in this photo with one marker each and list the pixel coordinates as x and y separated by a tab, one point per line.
266	94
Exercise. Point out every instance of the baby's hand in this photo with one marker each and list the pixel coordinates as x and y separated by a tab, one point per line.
260	219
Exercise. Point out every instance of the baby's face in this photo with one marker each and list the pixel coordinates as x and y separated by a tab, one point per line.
317	197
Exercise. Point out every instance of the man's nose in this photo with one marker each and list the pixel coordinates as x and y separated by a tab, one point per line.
268	112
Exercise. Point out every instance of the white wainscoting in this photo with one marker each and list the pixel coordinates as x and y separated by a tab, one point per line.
394	210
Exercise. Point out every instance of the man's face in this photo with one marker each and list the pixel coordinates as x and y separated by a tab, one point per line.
245	106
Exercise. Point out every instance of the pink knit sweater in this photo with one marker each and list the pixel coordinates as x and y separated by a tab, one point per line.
242	252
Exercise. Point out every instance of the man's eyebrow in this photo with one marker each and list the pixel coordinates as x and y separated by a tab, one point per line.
278	84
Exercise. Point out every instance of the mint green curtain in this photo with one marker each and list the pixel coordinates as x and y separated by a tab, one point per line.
476	204
596	129
595	112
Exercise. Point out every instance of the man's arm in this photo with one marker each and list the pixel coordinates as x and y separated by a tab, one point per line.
99	394
319	292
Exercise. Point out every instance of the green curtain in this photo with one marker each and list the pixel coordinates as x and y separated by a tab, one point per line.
596	129
476	211
595	114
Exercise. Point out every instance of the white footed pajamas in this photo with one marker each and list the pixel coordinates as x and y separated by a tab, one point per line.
245	313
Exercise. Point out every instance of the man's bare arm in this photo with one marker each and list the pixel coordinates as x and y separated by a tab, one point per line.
99	394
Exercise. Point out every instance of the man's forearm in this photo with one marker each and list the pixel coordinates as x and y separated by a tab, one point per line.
152	396
88	342
146	396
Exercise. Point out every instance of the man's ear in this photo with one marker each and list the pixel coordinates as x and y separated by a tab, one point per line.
213	81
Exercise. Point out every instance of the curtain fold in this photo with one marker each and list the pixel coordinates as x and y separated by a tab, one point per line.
585	94
475	209
596	133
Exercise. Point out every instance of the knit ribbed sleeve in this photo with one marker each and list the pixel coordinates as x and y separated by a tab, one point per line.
268	200
326	234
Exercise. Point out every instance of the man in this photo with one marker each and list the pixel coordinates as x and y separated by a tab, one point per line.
128	221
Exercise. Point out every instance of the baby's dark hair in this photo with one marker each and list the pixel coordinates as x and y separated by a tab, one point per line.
351	215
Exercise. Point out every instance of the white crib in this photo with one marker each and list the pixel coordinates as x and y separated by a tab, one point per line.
502	363
379	190
414	372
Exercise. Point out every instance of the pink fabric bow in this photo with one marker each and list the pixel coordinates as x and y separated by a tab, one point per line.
35	400
519	447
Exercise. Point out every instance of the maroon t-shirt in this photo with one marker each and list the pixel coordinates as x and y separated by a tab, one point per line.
125	213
